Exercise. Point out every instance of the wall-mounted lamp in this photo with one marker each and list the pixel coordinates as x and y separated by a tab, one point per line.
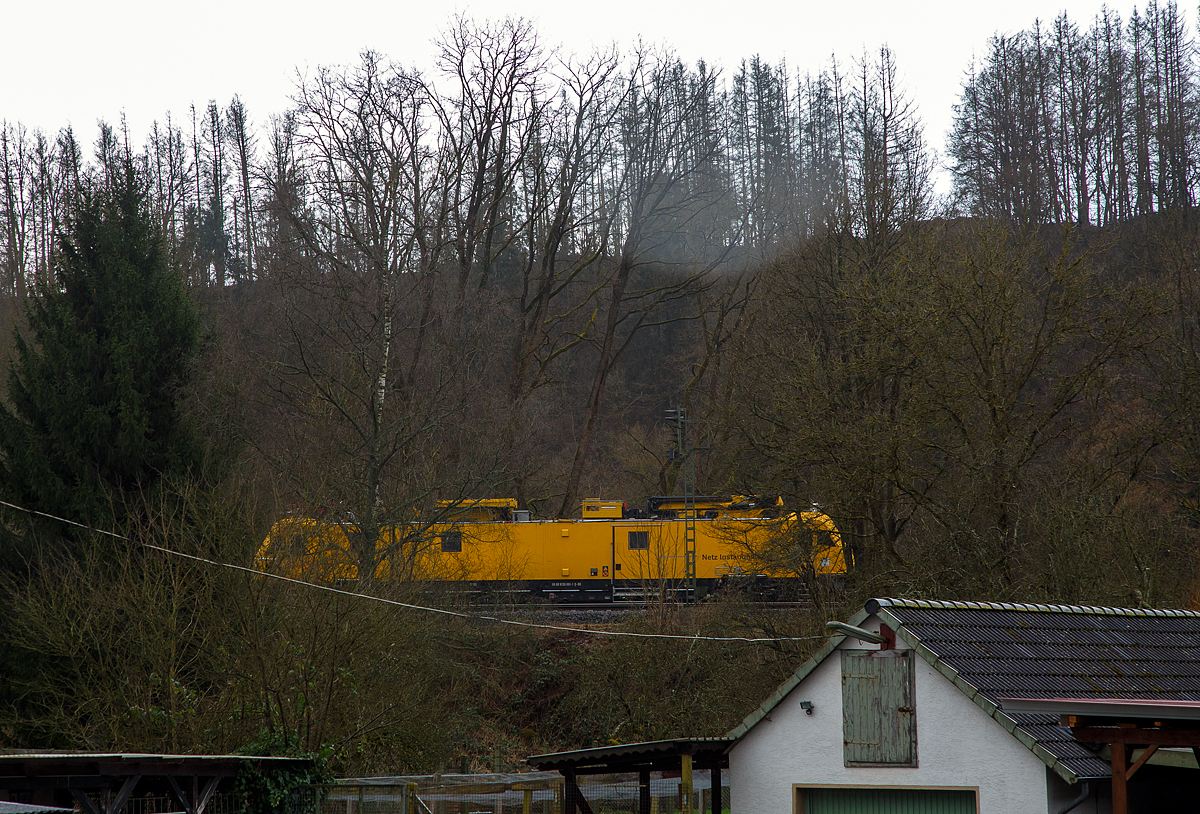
857	632
807	706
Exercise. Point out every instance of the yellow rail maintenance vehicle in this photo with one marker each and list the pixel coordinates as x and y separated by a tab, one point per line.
611	553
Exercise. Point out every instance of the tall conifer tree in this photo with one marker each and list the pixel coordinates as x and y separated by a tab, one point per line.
93	413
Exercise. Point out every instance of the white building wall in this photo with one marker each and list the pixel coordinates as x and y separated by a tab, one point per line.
958	745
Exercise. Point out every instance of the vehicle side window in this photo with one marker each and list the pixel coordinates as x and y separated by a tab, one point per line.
639	541
451	541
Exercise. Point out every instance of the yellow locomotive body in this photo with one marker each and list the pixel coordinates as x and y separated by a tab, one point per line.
609	554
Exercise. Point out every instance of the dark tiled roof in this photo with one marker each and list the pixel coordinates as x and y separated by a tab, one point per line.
1061	651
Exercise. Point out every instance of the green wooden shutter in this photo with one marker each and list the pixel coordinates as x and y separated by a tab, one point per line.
888	801
879	722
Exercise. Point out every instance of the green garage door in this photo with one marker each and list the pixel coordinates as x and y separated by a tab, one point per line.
887	801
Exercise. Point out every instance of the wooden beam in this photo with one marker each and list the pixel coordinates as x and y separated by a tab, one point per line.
576	802
206	795
1145	737
1140	761
188	807
1120	793
84	801
570	793
123	795
685	767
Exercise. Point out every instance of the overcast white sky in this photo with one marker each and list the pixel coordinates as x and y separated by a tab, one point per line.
78	61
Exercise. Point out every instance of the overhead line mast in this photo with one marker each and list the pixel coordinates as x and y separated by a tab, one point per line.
687	469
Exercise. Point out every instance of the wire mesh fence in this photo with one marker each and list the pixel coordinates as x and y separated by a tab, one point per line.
220	803
528	793
620	793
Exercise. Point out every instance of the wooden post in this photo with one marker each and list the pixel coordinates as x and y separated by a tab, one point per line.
571	795
1120	791
644	791
527	803
685	796
716	790
576	802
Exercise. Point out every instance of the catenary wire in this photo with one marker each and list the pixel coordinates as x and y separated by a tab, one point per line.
398	604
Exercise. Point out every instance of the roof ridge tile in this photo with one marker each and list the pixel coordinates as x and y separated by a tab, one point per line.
873	605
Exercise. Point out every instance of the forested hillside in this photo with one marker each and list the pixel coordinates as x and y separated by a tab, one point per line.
488	278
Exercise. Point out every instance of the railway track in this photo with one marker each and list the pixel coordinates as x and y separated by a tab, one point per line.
593	614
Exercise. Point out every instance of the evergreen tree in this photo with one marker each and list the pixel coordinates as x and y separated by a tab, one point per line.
93	414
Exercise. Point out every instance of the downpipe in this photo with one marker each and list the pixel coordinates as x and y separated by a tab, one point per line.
1083	795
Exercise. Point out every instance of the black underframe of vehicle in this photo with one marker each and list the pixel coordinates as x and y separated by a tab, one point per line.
597	591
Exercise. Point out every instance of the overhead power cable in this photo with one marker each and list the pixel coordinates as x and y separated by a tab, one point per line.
396	603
